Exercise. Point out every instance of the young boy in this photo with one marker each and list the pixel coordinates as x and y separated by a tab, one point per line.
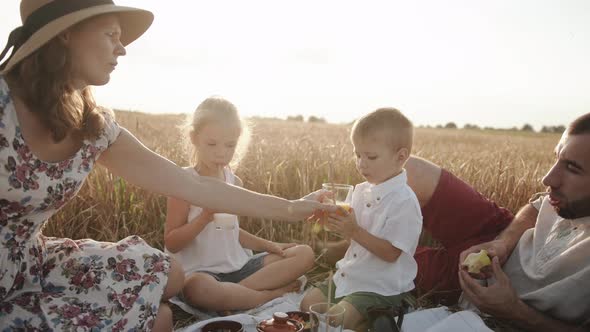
383	227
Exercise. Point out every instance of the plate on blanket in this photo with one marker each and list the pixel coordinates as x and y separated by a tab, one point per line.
302	317
223	326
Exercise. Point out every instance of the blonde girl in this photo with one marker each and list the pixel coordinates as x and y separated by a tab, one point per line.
220	273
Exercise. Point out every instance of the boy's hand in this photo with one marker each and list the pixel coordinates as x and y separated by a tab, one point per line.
343	223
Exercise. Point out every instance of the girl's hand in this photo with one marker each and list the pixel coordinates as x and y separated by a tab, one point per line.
343	223
278	248
207	215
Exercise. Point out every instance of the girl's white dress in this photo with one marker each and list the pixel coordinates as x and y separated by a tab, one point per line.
213	250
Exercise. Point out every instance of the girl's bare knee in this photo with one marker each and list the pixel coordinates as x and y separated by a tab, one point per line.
163	320
307	256
195	289
303	253
175	280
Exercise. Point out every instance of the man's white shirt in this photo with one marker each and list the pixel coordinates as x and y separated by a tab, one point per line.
550	266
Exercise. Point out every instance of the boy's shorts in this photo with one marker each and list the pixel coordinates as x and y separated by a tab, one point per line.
255	263
362	301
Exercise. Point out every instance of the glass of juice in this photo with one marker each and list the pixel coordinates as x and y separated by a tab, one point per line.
341	194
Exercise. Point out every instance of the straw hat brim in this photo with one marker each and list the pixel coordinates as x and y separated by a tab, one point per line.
134	22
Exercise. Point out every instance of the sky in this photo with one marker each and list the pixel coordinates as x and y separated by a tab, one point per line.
500	63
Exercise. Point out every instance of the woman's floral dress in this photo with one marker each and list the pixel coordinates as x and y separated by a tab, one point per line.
63	284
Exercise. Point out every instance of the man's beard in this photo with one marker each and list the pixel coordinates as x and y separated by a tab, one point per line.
576	209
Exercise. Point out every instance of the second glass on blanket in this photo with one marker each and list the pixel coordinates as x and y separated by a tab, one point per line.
327	317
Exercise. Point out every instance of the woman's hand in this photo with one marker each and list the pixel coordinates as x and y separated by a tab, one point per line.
309	209
321	195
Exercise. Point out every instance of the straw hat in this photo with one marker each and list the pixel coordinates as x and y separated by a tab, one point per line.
45	19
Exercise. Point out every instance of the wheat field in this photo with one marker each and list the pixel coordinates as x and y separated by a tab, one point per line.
290	159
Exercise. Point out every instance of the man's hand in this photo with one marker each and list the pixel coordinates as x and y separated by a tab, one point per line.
343	223
499	299
278	248
495	248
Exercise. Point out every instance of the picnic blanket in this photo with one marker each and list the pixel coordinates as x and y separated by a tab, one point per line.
248	318
442	320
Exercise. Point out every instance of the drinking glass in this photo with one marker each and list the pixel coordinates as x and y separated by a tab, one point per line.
342	194
327	317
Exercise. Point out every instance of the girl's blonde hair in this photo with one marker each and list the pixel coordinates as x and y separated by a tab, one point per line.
222	111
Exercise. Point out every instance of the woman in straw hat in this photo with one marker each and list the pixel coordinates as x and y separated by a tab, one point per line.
51	136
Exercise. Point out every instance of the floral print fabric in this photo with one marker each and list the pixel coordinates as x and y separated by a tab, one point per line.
63	284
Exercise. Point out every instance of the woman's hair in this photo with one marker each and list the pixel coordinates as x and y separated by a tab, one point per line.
44	83
219	110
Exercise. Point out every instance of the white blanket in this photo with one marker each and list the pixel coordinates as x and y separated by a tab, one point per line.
441	320
249	318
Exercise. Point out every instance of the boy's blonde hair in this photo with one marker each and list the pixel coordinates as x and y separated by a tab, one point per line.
390	121
219	110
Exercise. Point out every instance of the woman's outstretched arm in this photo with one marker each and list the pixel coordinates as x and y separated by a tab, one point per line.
128	158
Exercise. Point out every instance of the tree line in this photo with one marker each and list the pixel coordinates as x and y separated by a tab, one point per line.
450	125
525	128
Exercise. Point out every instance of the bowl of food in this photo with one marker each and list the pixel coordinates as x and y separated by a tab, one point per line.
302	317
280	322
223	326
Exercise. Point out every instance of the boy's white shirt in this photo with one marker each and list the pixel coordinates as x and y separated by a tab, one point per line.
390	211
216	251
